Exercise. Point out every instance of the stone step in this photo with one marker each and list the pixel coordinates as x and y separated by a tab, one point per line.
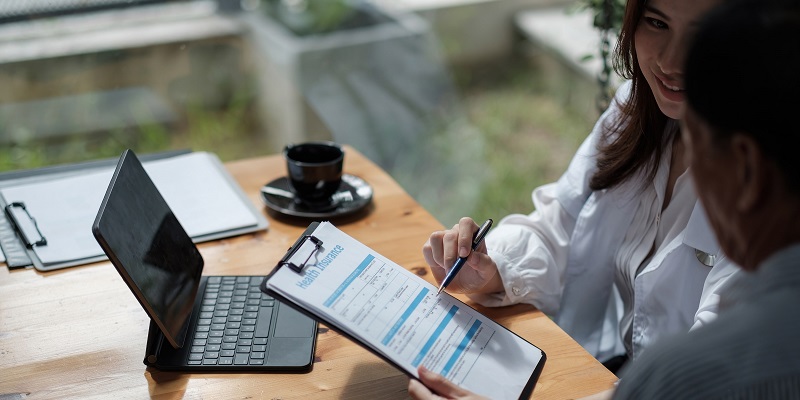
567	34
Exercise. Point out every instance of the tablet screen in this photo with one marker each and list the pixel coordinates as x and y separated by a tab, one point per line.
149	247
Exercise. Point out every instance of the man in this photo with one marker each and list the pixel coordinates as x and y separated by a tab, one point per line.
742	133
740	126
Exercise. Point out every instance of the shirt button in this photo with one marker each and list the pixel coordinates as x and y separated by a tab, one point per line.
515	290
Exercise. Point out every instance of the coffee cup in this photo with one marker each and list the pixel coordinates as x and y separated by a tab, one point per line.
314	171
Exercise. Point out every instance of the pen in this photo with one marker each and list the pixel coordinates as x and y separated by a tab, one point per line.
476	241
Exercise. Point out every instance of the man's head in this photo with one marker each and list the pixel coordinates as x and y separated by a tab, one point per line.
742	125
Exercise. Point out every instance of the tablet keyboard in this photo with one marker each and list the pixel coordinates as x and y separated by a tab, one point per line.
234	322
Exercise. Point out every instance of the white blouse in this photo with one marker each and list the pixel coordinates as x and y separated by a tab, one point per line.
614	271
649	232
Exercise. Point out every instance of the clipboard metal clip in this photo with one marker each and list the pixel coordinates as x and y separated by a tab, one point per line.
25	224
295	267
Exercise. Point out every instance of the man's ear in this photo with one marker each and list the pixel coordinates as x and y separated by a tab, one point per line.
750	171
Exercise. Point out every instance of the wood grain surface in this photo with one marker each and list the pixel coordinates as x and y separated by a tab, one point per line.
80	333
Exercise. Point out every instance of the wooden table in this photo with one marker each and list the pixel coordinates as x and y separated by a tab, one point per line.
80	333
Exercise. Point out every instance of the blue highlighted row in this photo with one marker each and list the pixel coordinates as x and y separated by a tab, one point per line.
427	347
461	347
338	292
404	317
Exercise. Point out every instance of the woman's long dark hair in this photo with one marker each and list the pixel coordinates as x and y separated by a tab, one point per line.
637	139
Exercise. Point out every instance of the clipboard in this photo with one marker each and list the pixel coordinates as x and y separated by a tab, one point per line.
307	238
19	223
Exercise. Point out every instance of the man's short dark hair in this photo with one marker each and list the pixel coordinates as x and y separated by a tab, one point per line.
743	76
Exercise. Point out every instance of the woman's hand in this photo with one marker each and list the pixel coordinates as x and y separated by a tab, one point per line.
479	274
444	389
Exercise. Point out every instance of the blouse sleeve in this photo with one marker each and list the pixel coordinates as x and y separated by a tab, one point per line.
531	250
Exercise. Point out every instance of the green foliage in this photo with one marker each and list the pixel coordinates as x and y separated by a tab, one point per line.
313	17
606	13
530	135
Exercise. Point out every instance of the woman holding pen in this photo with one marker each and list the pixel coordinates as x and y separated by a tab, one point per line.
618	251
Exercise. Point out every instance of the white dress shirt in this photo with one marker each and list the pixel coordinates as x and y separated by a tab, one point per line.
614	270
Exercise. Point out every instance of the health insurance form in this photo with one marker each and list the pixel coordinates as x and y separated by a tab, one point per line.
399	315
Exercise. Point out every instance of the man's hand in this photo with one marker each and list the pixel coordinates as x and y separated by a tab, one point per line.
443	388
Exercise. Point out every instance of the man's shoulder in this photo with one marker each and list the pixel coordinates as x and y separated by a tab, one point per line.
750	343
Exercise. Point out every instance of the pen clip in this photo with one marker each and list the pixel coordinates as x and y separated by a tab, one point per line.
481	233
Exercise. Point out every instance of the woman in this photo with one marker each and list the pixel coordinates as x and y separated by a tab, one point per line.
618	250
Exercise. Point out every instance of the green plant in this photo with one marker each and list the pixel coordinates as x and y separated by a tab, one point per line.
607	16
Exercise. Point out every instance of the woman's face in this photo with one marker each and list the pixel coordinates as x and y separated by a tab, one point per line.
662	39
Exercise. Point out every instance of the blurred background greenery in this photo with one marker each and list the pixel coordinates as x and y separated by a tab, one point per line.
530	113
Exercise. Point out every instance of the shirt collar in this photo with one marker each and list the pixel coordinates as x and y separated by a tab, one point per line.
698	233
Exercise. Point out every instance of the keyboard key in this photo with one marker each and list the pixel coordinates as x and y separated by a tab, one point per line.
242	349
259	348
230	339
195	356
245	342
259	340
258	354
210	354
229	346
256	361
209	361
198	349
241	359
227	353
215	340
212	347
225	361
